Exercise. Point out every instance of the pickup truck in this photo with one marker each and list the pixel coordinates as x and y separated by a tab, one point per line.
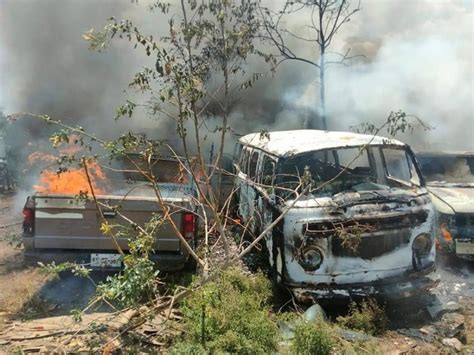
61	227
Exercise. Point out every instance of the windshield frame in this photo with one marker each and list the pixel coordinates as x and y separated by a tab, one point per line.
410	156
375	169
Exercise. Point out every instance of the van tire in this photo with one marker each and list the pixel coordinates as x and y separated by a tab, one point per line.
280	293
190	265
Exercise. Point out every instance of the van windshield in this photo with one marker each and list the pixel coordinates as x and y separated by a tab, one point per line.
448	169
346	169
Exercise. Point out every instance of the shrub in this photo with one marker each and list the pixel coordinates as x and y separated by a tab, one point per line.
231	315
186	347
368	317
313	338
135	283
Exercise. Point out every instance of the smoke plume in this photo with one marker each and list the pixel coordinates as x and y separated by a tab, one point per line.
417	56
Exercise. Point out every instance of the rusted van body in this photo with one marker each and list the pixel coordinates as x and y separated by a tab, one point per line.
364	226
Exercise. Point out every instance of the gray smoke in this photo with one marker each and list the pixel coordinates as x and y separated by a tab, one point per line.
47	67
418	58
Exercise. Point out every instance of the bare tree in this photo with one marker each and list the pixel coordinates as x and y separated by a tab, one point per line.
326	17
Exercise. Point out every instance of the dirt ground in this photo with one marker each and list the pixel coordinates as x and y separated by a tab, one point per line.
18	283
29	298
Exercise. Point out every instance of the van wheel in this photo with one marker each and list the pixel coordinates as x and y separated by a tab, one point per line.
190	265
281	295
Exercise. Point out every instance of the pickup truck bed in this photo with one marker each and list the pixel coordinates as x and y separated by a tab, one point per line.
63	228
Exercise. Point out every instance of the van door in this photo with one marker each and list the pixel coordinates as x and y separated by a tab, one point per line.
248	195
241	183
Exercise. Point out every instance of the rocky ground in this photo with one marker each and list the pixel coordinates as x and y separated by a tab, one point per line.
34	306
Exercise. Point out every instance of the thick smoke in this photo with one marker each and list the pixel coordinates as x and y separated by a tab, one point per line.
417	57
47	67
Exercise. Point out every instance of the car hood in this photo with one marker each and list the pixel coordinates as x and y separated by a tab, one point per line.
460	199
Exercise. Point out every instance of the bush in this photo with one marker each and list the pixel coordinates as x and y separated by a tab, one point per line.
230	315
313	338
187	347
368	317
137	282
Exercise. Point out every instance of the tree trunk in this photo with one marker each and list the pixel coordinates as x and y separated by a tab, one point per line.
322	91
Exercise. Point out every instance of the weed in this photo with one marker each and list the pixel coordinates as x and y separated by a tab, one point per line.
230	315
368	317
187	347
313	338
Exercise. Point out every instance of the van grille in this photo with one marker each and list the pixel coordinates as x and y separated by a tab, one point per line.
371	237
327	229
369	247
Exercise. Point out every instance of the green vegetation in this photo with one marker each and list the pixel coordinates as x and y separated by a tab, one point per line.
231	314
367	316
313	338
137	282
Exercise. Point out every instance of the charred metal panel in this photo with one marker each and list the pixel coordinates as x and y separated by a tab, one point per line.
326	229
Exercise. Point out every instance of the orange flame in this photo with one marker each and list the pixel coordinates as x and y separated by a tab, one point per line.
72	181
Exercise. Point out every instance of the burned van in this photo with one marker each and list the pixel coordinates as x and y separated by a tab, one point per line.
450	181
358	220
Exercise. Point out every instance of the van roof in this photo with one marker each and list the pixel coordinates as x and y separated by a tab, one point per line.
447	153
285	143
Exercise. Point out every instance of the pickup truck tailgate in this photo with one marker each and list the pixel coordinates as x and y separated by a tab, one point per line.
63	222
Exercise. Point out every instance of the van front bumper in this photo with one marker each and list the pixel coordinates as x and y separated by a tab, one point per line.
404	286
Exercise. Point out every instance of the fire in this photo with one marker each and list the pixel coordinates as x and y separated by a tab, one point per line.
72	181
38	156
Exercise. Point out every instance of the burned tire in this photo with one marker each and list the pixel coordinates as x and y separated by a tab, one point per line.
190	265
281	295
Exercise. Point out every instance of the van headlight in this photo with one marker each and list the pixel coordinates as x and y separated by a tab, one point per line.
422	244
421	247
311	258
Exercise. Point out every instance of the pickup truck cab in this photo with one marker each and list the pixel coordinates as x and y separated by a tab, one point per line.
450	181
62	227
364	227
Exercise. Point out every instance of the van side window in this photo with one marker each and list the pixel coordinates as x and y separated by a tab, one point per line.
253	165
237	152
244	160
267	171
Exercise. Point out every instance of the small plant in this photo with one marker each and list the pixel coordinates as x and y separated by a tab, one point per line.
230	315
187	347
55	269
136	283
313	338
367	316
